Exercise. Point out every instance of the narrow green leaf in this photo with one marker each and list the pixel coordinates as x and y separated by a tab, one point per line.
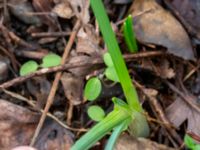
111	74
115	53
108	60
51	60
96	113
92	89
28	67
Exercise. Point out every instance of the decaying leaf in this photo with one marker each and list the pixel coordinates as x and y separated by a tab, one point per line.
39	87
154	25
81	9
189	11
73	87
21	10
18	124
126	142
63	10
179	111
44	6
87	41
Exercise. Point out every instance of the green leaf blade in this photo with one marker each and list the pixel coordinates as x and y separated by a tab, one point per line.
111	74
92	89
96	113
28	67
51	60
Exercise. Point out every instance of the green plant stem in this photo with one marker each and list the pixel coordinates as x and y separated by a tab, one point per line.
115	53
102	128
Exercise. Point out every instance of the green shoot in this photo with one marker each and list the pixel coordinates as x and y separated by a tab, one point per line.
129	35
96	113
92	89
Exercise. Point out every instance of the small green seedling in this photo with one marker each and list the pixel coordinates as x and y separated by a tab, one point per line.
92	89
96	113
50	60
190	143
129	35
125	114
28	67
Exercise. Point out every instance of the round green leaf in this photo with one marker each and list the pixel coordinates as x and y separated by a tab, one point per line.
28	67
111	74
107	60
92	89
96	113
51	60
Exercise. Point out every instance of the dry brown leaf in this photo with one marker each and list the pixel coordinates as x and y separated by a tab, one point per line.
63	10
126	142
190	12
18	124
81	9
44	6
154	25
21	10
179	111
88	41
39	87
73	87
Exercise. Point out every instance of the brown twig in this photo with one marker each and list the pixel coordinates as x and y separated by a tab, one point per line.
95	61
32	104
50	34
56	81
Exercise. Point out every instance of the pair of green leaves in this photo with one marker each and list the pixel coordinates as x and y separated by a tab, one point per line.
93	89
190	143
50	60
93	86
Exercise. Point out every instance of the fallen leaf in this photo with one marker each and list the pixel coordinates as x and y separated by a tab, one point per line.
81	9
126	142
154	25
63	10
44	6
189	11
73	87
88	41
21	8
39	87
179	111
18	124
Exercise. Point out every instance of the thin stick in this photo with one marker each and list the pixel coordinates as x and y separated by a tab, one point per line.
96	61
56	81
31	103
